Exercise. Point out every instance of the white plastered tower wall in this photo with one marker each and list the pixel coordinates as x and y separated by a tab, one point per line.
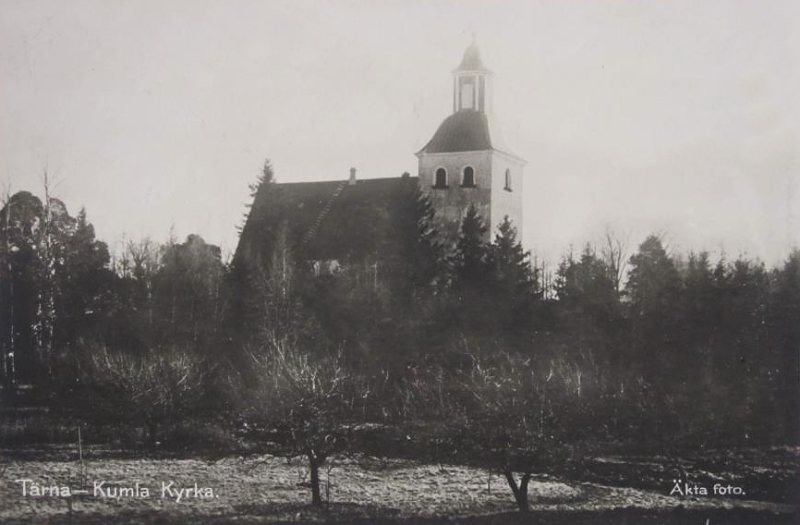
506	195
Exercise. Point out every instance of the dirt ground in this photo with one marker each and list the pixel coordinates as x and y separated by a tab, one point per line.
267	489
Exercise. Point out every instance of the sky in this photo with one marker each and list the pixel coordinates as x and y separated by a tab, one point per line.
678	117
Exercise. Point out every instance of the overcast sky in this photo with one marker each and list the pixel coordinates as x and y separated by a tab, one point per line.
681	117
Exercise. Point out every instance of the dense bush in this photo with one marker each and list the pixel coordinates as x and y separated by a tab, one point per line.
154	391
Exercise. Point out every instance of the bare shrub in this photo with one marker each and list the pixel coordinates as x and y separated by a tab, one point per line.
150	391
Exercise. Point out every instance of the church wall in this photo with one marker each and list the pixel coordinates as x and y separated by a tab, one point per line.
506	202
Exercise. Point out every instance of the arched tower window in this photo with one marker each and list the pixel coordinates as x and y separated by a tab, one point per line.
468	177
508	180
440	179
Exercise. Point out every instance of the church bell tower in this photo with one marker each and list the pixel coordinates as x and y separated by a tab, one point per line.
465	164
472	83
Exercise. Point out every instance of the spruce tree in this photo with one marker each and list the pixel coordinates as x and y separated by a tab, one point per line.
588	306
654	291
471	277
784	315
514	283
469	263
653	283
417	259
253	253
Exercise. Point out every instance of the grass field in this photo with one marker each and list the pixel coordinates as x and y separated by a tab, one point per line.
267	489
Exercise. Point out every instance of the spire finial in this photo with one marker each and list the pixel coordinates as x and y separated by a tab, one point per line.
472	57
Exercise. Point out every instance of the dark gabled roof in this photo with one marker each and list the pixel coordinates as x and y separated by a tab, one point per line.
472	60
356	217
465	130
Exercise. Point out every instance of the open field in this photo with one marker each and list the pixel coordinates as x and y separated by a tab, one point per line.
272	490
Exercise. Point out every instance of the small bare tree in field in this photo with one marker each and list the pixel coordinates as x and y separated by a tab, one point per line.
504	413
310	404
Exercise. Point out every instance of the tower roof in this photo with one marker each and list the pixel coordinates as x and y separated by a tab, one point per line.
461	131
467	131
472	60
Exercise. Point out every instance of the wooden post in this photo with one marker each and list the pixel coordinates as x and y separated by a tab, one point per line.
80	459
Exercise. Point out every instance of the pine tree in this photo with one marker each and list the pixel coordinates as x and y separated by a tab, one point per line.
84	284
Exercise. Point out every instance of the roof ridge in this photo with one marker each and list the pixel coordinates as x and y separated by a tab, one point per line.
339	181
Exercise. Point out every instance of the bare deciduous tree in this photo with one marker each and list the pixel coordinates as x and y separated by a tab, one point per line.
505	413
310	404
8	346
615	254
46	246
144	256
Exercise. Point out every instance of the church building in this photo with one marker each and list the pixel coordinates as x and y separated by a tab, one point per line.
463	164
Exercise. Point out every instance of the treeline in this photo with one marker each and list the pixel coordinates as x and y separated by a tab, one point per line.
61	292
468	352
